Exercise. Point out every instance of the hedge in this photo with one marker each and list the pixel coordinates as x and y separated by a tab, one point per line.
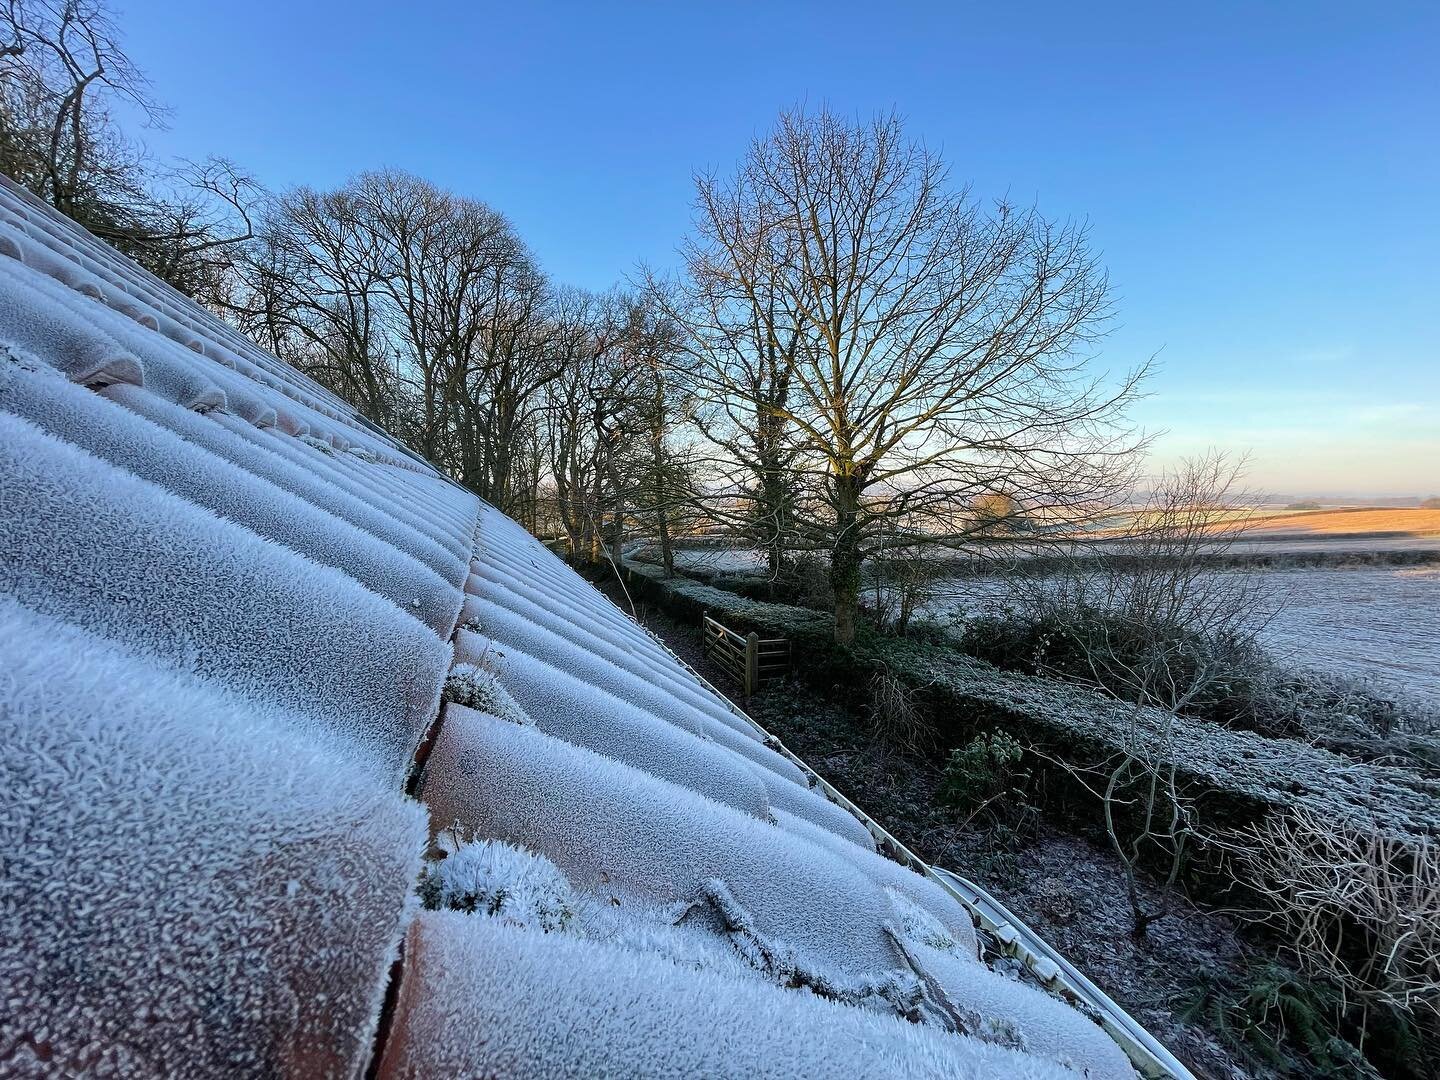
1235	776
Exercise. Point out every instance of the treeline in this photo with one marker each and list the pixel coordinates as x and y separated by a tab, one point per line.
855	359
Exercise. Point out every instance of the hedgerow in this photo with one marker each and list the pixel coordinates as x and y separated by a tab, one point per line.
1236	777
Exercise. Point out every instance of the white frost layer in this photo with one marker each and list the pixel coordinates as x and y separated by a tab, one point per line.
187	890
34	320
627	647
1024	1017
492	559
488	567
94	545
564	706
579	604
551	1006
239	447
628	655
809	804
124	439
614	829
585	661
886	872
321	464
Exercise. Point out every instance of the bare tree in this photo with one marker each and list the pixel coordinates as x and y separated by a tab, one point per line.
59	63
309	289
583	404
659	469
424	309
756	465
1148	620
62	69
916	349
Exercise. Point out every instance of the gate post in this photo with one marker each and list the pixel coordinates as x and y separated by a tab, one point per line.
752	662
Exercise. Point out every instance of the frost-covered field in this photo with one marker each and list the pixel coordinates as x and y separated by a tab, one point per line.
717	560
1379	623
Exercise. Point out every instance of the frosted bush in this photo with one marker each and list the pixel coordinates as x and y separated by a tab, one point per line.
501	880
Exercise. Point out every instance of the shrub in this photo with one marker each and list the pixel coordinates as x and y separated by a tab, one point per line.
897	719
1360	908
1289	1021
475	688
1246	690
1239	776
984	773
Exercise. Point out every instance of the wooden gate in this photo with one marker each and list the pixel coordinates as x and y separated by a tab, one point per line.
750	659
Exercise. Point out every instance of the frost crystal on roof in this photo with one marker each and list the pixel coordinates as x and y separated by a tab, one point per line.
554	1005
188	889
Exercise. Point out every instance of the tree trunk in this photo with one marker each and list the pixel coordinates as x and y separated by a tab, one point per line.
617	535
845	557
667	548
772	520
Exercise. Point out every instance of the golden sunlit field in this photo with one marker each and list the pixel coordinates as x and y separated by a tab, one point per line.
1263	523
1400	521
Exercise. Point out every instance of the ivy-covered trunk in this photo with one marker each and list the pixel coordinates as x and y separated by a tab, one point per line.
845	557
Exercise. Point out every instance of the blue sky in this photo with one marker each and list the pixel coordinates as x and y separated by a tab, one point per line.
1263	179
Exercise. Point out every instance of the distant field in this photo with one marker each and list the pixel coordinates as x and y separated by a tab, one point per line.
1360	521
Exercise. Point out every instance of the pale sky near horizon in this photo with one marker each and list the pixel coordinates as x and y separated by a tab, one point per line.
1262	179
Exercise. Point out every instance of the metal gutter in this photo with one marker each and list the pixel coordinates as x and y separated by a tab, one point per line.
1146	1053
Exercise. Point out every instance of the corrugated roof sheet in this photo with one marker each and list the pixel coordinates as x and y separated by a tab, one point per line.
228	608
